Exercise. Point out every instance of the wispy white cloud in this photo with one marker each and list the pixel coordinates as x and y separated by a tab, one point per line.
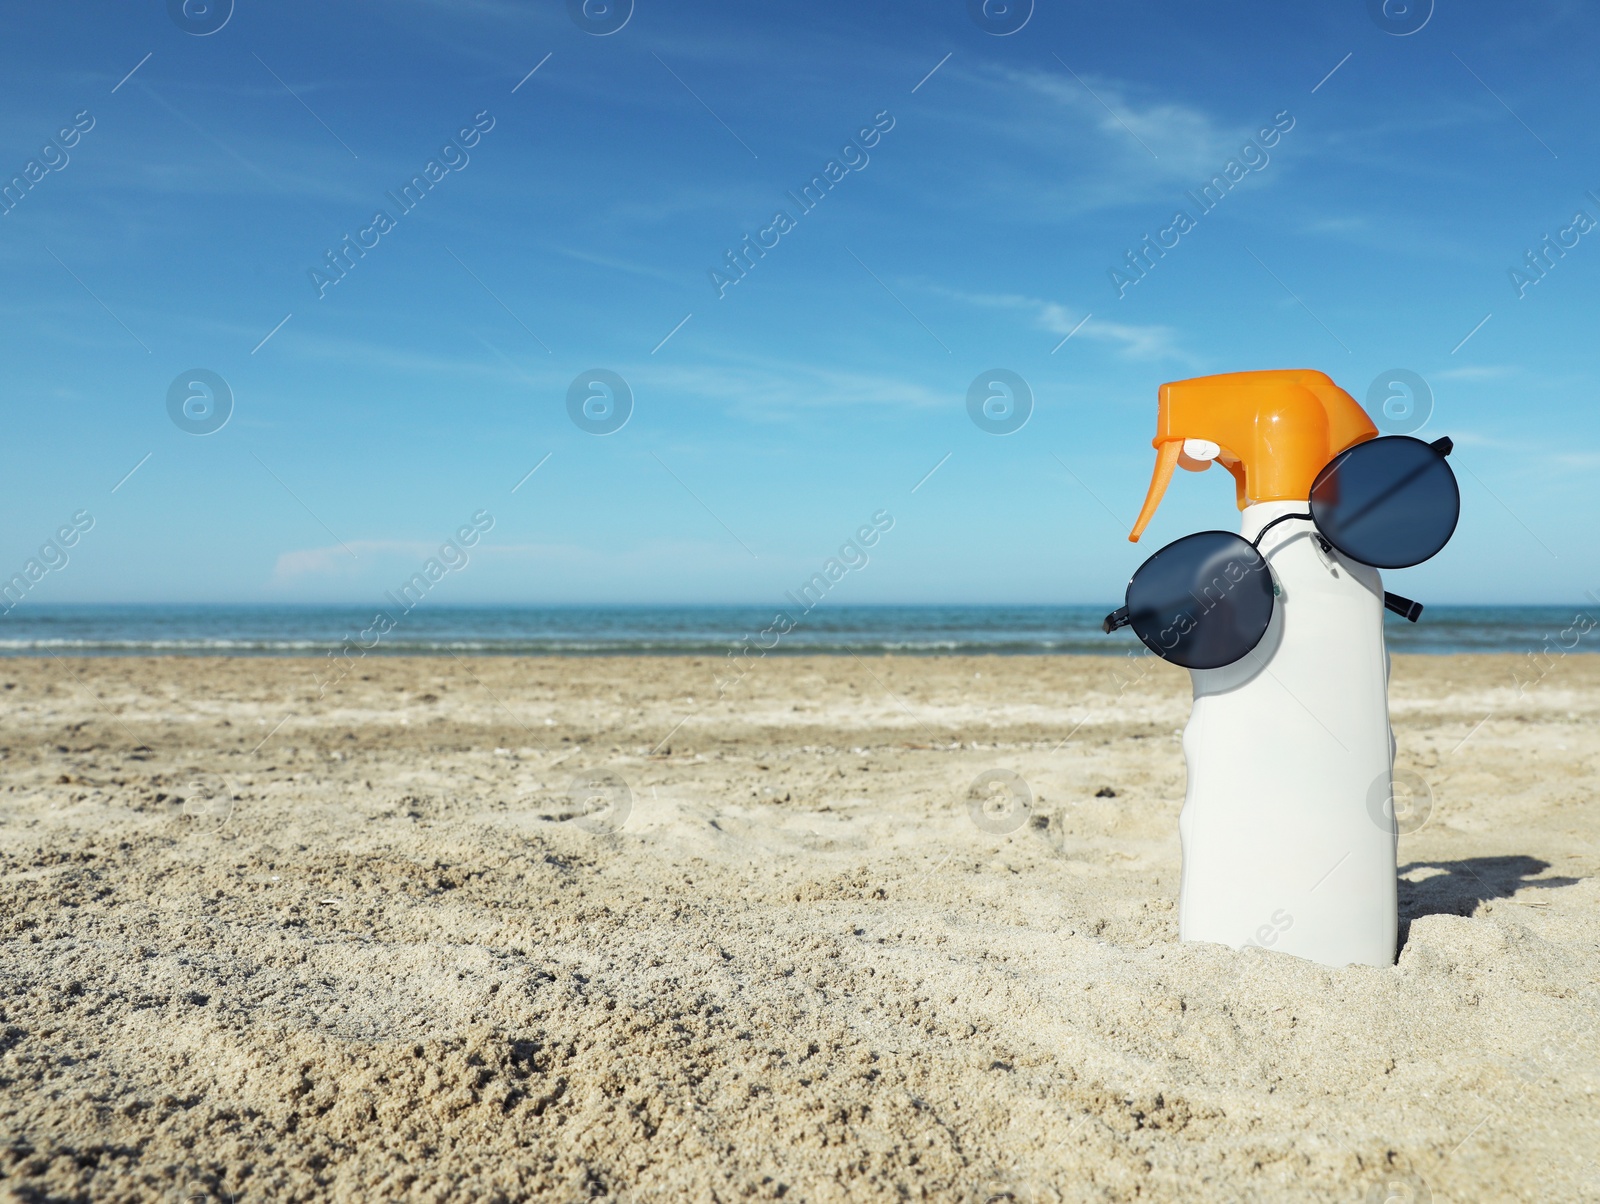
1539	455
1339	226
1130	341
503	569
1178	140
1394	234
764	388
1577	459
752	387
1126	146
347	562
619	265
389	561
385	357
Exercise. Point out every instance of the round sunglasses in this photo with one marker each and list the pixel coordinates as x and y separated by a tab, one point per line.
1204	601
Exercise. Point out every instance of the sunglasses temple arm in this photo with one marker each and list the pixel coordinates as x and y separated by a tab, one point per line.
1404	607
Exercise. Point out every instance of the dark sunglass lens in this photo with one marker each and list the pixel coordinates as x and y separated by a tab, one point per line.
1203	601
1390	502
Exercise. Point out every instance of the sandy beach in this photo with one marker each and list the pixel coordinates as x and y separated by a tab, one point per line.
257	944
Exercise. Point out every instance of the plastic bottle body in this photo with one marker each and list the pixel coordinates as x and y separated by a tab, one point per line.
1287	751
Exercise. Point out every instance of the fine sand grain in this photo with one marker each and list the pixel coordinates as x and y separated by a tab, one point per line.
261	945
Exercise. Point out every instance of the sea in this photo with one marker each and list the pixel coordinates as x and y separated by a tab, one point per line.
243	630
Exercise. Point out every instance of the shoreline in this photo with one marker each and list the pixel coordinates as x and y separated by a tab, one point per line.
673	654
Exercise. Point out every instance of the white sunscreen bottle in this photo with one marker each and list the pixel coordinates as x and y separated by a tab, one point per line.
1288	747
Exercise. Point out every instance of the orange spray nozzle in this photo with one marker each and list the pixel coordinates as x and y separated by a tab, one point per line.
1274	432
1166	462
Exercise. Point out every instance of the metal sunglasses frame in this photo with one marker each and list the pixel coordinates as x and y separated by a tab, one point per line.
1402	606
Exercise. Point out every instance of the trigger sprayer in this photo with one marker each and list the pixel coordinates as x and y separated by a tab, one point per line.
1278	428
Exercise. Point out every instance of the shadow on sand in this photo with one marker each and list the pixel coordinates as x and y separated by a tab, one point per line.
1466	883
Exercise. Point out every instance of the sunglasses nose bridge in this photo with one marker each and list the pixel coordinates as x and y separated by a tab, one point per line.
1283	518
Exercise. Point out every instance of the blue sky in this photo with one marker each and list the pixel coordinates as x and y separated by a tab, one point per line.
775	419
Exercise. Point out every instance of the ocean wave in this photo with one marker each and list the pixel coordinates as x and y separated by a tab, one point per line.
642	647
717	632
